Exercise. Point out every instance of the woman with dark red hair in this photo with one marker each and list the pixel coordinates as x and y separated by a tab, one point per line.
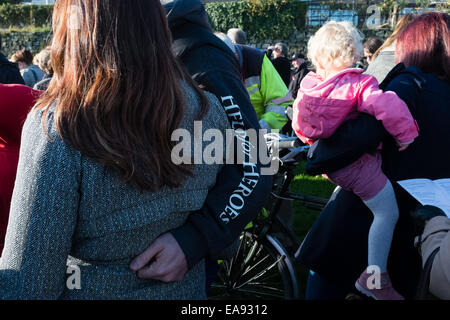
422	80
15	102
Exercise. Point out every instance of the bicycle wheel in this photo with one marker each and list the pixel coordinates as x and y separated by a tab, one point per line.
260	269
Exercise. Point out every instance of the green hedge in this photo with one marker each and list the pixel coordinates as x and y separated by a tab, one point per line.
260	19
25	15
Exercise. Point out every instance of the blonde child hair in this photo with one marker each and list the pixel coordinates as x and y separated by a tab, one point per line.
43	60
336	44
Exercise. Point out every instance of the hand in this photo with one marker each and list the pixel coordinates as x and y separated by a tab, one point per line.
163	260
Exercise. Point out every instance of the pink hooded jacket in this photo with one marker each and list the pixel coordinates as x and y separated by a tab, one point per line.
322	106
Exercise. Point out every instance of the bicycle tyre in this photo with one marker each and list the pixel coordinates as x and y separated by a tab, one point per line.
261	269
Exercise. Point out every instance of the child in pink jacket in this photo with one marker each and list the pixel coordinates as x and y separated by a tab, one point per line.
334	94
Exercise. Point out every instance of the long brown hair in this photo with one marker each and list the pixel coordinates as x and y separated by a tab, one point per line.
117	87
401	24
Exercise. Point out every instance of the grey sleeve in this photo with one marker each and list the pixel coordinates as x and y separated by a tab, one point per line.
43	215
28	78
381	66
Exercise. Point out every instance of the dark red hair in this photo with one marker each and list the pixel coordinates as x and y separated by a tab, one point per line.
425	43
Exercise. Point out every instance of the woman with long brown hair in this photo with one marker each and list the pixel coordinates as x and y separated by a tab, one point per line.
383	59
96	183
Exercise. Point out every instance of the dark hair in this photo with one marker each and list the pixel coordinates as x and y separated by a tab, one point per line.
297	56
0	41
372	44
117	88
282	48
425	43
24	56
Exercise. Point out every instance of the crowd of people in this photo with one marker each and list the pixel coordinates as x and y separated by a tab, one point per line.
35	72
86	139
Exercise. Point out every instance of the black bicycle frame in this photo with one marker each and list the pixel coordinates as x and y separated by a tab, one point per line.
283	193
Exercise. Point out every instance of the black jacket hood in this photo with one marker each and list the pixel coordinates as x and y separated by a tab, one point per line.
5	61
180	12
9	72
189	24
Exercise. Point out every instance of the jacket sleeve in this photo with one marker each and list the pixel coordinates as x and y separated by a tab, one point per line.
296	122
389	109
276	96
364	134
209	231
10	74
43	216
294	86
408	87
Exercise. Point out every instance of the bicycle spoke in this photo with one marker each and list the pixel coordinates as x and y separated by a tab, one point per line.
227	267
267	287
257	264
258	293
237	265
242	243
256	270
256	247
269	291
262	272
251	253
271	276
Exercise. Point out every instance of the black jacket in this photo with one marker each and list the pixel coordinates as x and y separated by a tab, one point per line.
9	72
283	66
336	246
297	76
211	63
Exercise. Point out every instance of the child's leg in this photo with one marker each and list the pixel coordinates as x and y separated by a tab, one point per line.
385	212
365	178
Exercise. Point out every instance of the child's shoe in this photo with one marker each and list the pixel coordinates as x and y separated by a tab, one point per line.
385	291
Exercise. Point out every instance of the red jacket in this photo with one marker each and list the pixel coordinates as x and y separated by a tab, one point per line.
15	103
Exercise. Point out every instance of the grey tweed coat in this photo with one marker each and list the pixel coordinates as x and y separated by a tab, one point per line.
70	213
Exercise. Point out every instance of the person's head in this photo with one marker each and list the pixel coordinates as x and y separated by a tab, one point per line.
425	43
335	46
280	50
237	35
23	58
117	88
370	47
297	60
230	44
401	24
43	60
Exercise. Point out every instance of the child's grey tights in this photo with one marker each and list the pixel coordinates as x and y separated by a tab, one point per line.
385	211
